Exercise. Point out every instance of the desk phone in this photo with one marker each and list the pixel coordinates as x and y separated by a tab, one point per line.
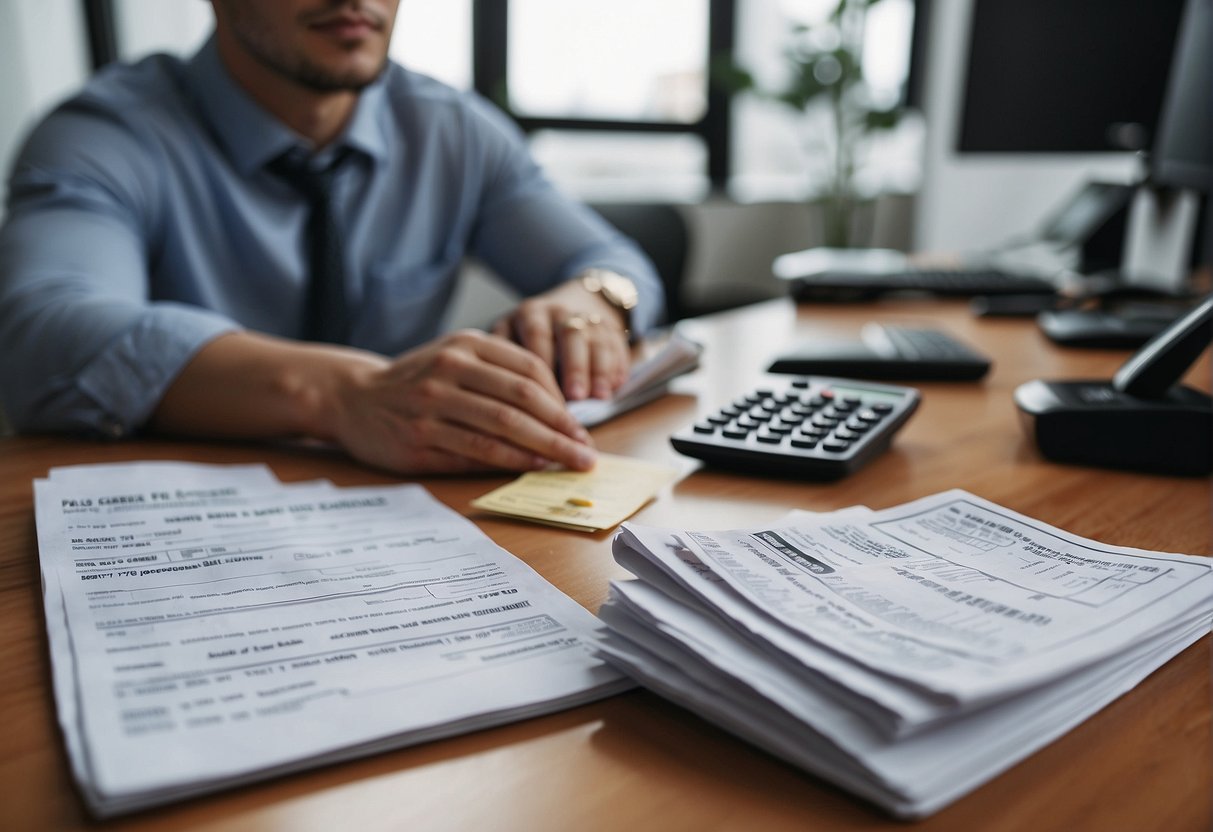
812	427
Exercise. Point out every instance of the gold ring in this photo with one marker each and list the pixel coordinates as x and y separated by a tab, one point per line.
574	323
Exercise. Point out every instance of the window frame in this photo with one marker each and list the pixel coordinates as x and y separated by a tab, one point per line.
490	58
490	37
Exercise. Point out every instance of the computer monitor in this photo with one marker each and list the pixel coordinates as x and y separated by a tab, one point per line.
1166	235
1182	152
1066	76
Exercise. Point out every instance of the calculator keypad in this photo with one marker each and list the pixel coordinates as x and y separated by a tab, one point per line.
816	427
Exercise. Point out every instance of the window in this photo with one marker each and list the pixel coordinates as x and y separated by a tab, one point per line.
630	60
435	37
778	153
616	96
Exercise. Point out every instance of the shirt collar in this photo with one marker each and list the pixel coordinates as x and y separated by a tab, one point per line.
251	136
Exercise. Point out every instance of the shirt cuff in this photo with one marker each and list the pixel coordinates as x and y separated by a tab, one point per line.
121	387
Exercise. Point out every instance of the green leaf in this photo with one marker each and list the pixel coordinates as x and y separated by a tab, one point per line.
883	119
729	76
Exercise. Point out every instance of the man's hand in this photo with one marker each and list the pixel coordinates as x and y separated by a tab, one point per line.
465	402
575	333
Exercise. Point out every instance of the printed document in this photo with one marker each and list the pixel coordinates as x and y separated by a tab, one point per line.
209	626
908	655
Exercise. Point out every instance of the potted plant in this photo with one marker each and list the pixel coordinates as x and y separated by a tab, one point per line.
826	86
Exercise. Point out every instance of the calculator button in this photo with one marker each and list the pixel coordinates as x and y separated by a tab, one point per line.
799	425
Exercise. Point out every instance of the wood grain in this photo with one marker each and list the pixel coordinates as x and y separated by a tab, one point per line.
635	762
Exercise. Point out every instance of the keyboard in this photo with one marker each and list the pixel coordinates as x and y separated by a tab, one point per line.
842	285
812	427
888	351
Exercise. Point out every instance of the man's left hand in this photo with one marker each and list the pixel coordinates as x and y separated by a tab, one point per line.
576	333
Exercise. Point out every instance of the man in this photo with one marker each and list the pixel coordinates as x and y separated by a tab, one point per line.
260	243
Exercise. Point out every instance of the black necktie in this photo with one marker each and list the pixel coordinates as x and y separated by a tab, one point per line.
325	316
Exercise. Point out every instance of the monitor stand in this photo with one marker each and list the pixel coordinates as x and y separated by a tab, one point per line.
1151	288
1160	237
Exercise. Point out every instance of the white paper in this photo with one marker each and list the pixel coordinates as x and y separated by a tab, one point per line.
908	655
951	593
223	634
648	380
911	776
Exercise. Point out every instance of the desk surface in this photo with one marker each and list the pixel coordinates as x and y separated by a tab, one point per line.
633	761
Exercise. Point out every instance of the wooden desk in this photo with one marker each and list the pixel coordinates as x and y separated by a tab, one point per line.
634	762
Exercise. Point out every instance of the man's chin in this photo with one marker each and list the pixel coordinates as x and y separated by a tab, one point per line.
329	78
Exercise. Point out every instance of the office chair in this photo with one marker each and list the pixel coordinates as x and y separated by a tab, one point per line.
661	232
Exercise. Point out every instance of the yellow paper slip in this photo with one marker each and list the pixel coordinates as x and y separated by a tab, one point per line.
584	501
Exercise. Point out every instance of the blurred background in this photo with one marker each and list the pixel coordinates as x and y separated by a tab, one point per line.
767	126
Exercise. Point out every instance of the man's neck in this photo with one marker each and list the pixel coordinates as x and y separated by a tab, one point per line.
317	116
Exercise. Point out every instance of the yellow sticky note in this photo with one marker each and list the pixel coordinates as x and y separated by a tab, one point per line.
581	500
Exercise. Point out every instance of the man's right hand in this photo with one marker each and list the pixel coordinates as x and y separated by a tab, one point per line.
468	401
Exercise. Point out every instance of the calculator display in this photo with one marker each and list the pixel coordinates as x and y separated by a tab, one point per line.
868	394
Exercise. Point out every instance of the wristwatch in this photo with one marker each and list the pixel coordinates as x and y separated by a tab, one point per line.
615	289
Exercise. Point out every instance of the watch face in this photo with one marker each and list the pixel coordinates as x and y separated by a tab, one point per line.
618	290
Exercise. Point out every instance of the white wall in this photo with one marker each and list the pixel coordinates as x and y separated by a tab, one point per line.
44	51
146	26
974	201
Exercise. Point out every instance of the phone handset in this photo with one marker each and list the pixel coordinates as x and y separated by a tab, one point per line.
1158	366
1143	419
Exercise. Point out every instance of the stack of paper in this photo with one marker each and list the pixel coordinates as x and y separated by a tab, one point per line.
907	655
210	626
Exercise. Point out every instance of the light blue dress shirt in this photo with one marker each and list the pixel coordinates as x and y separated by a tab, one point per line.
142	223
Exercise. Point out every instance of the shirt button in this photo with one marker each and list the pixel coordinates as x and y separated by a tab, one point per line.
113	429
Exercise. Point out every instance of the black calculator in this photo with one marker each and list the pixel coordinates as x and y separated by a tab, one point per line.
812	427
